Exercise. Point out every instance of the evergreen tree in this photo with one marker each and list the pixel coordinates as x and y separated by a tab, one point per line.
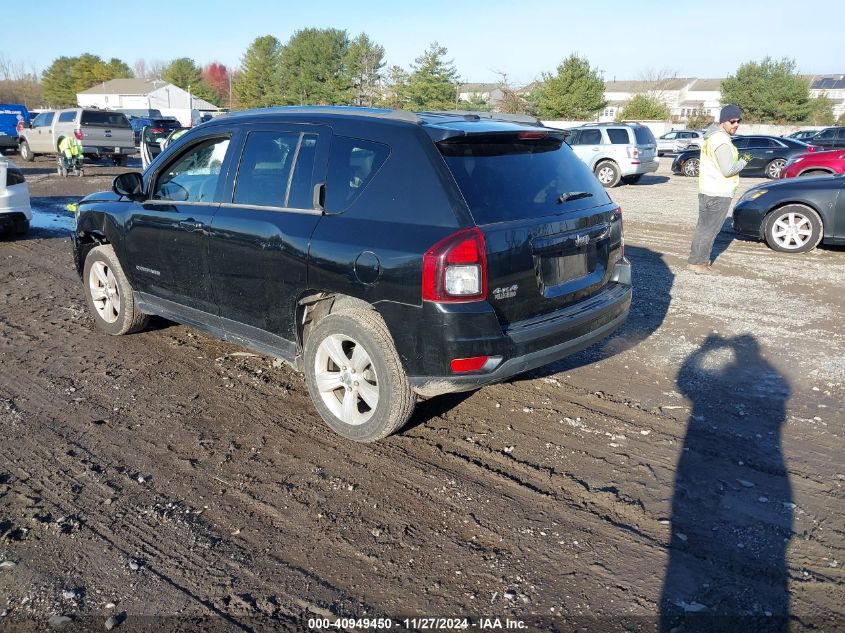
312	68
576	92
258	85
395	90
432	84
769	92
364	61
68	76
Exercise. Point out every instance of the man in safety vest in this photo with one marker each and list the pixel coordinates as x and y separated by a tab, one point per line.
70	148
718	177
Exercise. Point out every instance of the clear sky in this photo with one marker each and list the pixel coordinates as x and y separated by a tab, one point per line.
625	40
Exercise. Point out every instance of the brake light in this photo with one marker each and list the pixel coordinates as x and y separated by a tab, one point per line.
531	135
455	269
616	216
78	134
813	148
633	152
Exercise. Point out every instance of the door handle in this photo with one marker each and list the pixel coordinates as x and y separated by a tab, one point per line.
191	225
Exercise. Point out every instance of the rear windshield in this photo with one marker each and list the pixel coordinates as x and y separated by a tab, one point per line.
504	177
110	119
643	135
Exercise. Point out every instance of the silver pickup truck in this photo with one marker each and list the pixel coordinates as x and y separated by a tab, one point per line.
101	132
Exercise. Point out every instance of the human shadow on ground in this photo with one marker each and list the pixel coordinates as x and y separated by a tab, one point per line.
732	500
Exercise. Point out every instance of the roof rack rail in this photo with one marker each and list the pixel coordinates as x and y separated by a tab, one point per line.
473	115
378	113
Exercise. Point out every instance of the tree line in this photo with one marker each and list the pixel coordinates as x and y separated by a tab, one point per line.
327	66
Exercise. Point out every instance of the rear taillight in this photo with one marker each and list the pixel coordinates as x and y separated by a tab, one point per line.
77	133
616	216
455	269
633	152
813	148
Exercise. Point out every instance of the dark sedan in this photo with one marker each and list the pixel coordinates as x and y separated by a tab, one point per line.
794	215
768	155
159	128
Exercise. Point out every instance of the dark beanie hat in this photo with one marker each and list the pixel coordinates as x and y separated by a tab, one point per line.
730	111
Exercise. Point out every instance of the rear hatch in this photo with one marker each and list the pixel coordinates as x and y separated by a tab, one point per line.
551	232
646	143
107	130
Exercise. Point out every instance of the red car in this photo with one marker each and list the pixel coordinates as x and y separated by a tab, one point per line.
815	164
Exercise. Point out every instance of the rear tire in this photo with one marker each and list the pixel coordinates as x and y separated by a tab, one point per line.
691	167
607	173
109	294
26	153
774	168
355	377
20	228
794	228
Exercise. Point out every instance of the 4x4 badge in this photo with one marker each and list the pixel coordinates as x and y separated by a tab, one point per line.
505	293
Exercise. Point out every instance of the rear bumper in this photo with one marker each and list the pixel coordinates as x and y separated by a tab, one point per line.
107	150
644	167
536	342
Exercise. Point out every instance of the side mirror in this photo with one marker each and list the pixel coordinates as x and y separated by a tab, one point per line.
130	184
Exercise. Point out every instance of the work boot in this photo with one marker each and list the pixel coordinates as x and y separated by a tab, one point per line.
702	269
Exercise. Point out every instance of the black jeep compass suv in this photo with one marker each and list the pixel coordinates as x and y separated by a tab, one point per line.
389	255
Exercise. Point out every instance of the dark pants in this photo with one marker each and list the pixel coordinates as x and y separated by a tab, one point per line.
712	212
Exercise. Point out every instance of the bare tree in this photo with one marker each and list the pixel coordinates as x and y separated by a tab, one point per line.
511	102
149	70
656	83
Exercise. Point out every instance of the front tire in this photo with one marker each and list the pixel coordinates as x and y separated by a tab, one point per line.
691	167
109	294
26	152
794	228
607	173
774	168
355	377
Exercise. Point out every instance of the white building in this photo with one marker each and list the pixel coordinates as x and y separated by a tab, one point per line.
137	94
832	87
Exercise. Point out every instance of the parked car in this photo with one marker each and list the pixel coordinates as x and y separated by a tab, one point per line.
15	209
679	140
794	215
830	138
101	132
387	254
616	151
768	155
159	127
803	135
13	118
815	164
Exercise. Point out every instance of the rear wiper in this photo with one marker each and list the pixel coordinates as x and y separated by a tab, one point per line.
572	195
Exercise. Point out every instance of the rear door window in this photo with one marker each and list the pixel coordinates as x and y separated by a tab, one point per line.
618	136
588	137
505	177
264	170
104	118
67	117
352	165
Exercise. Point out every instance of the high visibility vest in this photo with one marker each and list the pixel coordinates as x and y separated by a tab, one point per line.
710	178
70	147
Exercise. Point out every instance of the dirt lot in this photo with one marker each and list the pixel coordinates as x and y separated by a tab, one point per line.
689	466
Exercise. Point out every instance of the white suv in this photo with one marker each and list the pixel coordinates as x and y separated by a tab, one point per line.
679	140
616	151
15	211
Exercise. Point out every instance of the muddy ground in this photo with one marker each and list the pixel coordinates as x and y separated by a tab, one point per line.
685	473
